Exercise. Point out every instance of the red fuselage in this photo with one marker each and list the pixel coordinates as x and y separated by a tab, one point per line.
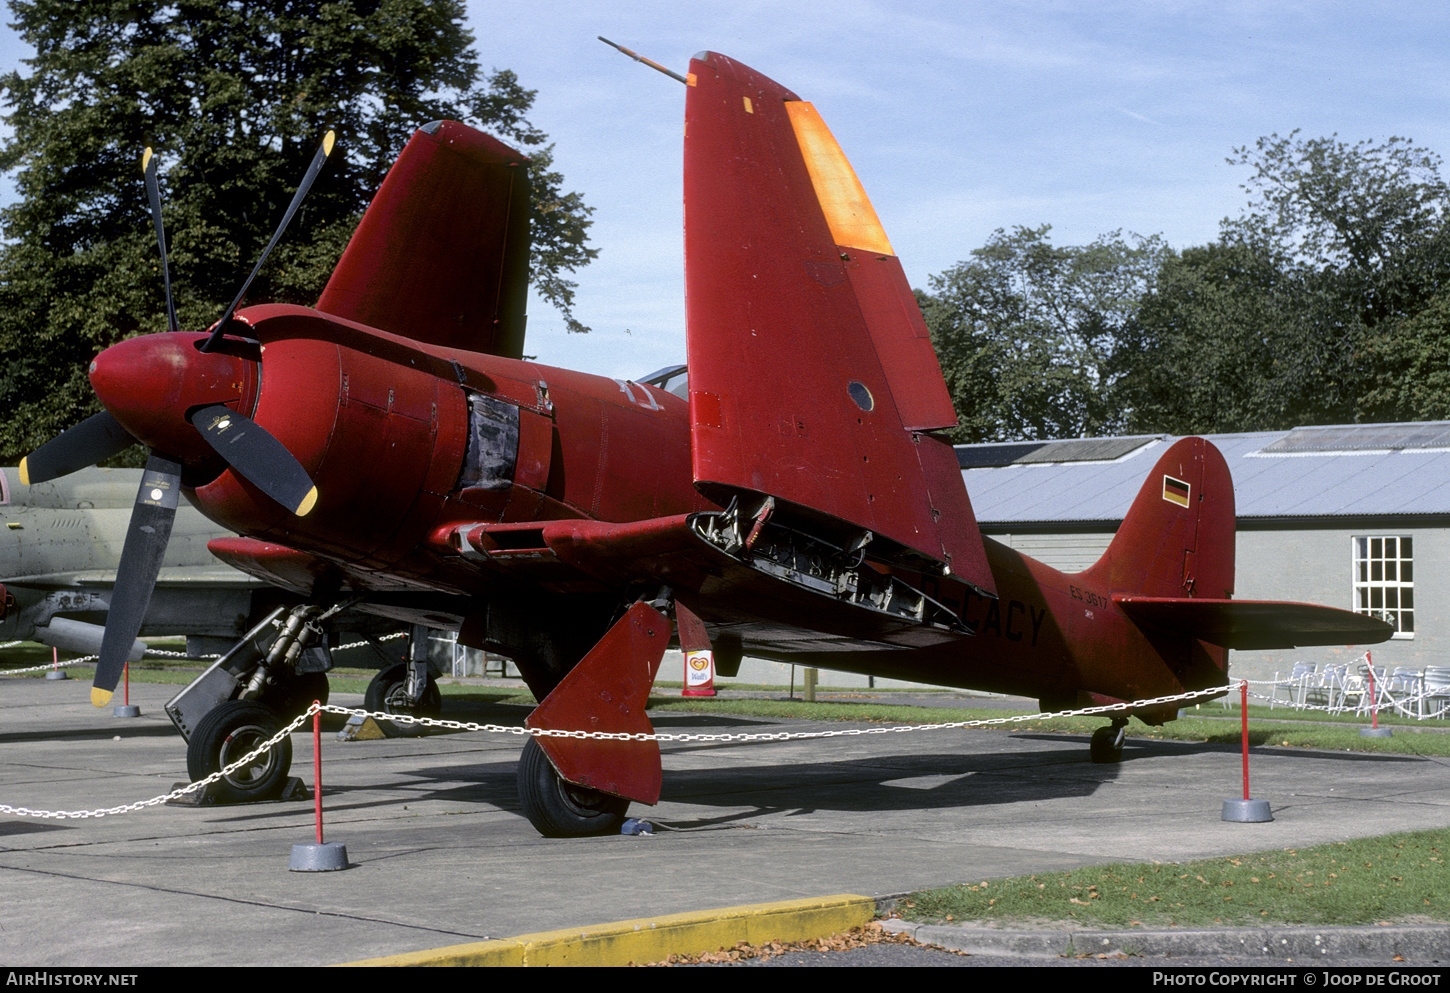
388	427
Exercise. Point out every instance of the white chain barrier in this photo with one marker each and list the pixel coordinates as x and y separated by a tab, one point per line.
742	737
161	653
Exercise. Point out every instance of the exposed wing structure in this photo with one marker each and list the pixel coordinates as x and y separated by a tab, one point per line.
442	254
812	377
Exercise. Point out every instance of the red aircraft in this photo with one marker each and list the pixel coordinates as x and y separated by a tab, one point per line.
389	449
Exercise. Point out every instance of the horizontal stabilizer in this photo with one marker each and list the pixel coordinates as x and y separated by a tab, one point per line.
1255	624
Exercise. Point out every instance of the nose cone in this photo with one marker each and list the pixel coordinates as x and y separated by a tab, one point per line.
152	383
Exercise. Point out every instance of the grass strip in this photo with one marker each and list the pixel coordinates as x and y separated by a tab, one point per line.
1395	878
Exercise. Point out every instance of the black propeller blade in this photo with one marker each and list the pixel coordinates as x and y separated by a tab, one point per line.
302	188
246	446
257	456
92	440
153	192
146	538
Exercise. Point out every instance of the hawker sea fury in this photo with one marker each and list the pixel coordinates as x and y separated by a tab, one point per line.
393	448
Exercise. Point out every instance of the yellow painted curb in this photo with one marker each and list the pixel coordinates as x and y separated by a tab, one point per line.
651	939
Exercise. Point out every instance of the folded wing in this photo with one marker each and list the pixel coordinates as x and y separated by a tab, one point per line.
812	376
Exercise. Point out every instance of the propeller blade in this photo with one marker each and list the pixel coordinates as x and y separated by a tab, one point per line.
146	538
259	457
302	188
92	440
153	191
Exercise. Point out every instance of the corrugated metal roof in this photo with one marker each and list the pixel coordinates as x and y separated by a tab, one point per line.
1271	480
1029	452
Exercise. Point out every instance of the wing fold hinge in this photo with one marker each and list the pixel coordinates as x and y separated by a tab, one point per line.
840	570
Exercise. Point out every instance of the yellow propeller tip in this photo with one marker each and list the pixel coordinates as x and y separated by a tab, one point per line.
145	159
100	697
308	502
327	142
24	472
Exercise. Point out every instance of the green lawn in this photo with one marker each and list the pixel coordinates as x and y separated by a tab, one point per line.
1394	878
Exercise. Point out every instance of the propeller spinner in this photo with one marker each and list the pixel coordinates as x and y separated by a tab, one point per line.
183	396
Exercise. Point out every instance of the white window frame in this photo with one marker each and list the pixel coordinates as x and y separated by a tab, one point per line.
1382	582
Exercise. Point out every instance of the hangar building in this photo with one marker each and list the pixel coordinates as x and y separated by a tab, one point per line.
1355	516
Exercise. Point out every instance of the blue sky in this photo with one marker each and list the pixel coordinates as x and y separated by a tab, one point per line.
960	118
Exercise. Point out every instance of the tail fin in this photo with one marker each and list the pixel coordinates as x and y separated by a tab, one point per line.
1170	567
1177	540
442	254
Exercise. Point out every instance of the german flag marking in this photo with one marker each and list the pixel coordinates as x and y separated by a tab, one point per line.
1175	491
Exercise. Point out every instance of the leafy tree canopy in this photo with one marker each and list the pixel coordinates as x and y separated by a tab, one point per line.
1213	345
234	97
1324	301
1025	330
1330	205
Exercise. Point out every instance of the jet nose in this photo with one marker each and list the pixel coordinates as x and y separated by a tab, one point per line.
152	383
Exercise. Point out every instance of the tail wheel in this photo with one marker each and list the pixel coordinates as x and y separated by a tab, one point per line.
230	731
560	809
1106	748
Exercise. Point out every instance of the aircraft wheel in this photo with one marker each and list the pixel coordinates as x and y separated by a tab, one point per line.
559	809
388	693
228	732
1105	748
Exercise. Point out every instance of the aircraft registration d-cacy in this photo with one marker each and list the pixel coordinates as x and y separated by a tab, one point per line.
390	446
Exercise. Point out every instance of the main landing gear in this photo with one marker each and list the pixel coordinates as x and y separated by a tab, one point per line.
558	808
1106	747
408	689
570	787
266	681
233	730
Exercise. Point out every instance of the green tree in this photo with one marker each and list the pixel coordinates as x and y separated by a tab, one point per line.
1367	213
1212	344
1307	310
1411	362
1025	331
234	96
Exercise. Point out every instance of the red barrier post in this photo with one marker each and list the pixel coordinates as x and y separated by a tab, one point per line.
1244	720
1246	811
318	857
317	765
1374	730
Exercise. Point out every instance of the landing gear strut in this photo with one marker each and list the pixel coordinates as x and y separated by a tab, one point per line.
1106	747
248	696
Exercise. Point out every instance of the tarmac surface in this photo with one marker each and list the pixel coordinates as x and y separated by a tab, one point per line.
440	856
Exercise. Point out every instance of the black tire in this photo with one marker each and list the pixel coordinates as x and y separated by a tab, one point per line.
294	693
228	732
1104	749
558	809
387	694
